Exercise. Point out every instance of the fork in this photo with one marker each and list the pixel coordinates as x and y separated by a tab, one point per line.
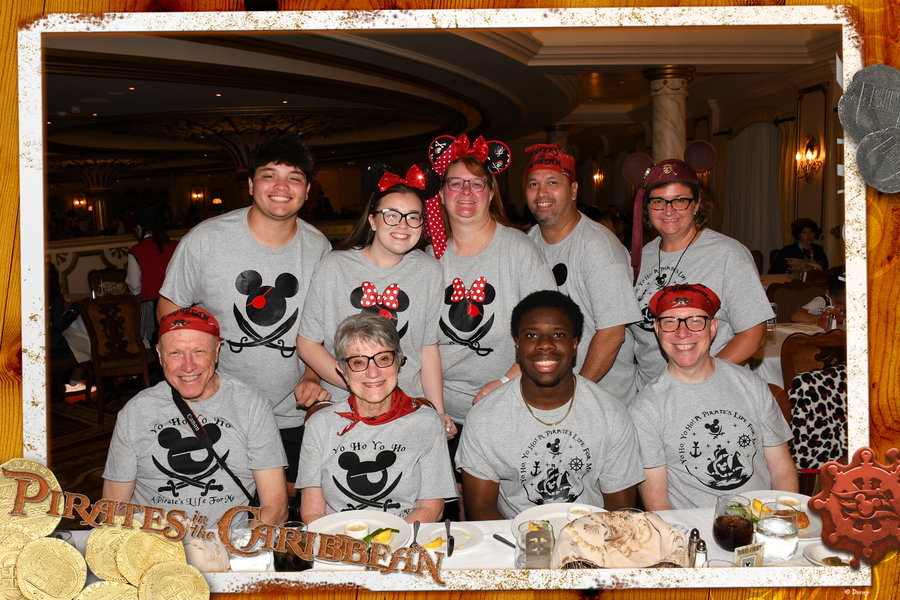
450	541
416	524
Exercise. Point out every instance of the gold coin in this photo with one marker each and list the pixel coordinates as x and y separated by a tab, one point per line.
108	590
8	588
173	581
13	535
50	569
36	517
140	550
102	547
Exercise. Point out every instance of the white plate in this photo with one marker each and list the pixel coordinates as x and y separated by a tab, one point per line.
814	553
556	513
465	536
335	523
813	532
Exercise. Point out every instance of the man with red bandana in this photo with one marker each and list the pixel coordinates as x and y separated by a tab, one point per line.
251	268
706	426
157	458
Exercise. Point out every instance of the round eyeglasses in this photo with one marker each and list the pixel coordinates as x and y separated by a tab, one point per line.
676	203
456	184
393	217
693	323
360	362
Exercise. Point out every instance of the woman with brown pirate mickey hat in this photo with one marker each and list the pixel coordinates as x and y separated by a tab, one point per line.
669	197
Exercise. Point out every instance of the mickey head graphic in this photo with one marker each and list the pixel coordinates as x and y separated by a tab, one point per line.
266	305
367	480
387	304
181	449
467	305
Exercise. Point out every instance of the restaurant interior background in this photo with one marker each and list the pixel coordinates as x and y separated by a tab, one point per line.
168	120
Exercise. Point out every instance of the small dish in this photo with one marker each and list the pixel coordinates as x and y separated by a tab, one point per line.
816	553
466	536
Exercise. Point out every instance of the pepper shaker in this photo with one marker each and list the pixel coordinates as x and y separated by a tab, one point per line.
700	554
692	546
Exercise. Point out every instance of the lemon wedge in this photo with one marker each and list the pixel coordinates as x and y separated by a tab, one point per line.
757	507
384	537
435	543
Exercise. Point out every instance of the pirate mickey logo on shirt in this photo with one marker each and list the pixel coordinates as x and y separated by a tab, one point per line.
717	447
387	304
554	465
189	463
265	306
467	313
366	481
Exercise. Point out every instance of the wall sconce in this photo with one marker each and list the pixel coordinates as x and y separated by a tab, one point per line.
598	177
78	200
197	193
216	201
808	161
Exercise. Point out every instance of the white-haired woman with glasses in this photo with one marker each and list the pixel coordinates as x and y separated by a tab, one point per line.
379	449
669	199
379	269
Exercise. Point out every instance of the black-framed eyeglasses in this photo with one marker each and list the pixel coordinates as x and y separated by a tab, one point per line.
693	323
360	362
676	203
393	217
456	184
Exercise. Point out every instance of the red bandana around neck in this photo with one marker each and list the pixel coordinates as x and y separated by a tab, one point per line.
401	405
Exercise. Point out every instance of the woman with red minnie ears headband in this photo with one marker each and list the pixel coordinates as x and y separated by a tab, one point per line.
379	269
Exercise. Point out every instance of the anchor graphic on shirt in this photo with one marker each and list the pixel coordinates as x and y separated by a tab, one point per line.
695	452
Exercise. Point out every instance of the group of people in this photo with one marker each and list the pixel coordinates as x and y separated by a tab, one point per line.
492	366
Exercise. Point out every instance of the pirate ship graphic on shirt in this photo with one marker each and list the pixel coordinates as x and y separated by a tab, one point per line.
718	448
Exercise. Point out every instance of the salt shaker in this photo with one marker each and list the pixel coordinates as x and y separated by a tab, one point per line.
692	546
700	554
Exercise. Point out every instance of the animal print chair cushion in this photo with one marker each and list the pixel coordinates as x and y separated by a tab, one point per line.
819	416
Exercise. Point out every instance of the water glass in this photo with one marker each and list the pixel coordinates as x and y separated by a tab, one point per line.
732	527
534	545
777	531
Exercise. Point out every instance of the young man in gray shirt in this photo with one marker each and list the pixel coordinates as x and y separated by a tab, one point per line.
250	268
589	263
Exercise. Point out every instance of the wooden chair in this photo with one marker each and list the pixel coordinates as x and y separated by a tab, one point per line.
98	277
784	403
801	352
792	295
114	326
758	259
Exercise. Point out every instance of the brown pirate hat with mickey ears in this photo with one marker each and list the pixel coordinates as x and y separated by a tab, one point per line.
699	157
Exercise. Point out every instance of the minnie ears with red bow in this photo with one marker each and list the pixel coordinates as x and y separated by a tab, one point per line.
445	149
379	178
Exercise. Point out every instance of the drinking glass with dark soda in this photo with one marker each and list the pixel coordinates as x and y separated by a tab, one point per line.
732	527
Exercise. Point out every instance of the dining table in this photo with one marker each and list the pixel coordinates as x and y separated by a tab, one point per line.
767	361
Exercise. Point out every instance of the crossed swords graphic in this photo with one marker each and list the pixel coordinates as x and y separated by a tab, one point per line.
374	502
197	481
253	339
471	342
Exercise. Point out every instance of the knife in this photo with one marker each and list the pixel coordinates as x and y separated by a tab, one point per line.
450	541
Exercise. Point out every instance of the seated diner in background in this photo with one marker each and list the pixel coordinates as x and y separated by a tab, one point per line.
802	255
378	449
705	425
548	435
155	458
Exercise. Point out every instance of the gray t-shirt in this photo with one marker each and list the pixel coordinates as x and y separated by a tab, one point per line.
720	263
479	295
710	435
592	267
376	467
592	451
256	293
153	446
342	286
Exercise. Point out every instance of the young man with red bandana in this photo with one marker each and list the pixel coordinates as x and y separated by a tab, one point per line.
706	426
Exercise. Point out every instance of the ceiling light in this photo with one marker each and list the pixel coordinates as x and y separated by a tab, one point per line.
218	95
131	89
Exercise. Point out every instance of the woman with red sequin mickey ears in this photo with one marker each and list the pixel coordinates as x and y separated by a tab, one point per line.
488	267
379	269
686	251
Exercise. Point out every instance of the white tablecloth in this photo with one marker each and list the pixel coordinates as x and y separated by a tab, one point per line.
767	361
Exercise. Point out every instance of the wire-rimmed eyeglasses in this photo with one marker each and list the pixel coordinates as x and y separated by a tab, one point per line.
693	323
456	184
360	362
676	203
393	217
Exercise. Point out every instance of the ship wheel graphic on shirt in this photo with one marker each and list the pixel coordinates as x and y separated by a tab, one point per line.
387	304
467	312
718	450
265	306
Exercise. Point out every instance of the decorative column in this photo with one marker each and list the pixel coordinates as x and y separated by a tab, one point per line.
668	91
558	134
98	174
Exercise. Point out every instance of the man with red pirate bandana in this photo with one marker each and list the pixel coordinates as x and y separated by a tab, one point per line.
198	441
250	268
589	264
706	426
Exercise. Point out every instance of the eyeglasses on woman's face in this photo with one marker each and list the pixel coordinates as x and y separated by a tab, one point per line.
456	184
693	323
676	203
392	217
360	362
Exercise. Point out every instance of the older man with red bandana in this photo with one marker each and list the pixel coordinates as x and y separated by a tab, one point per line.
706	426
198	441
